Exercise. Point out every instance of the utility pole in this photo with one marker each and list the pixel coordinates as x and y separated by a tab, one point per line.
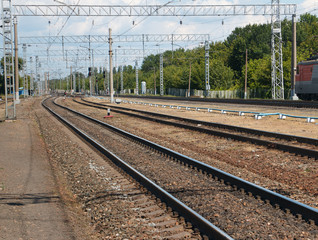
137	79
37	79
172	45
8	66
48	85
89	68
207	63
48	79
121	80
66	59
277	52
63	46
143	46
104	76
189	81
117	70
93	73
45	79
275	10
31	78
245	88
79	82
60	79
161	74
71	78
83	85
74	82
111	67
90	80
67	83
107	80
154	79
294	60
25	80
16	58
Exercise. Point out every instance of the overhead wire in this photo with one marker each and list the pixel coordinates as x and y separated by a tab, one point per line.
303	10
118	16
142	20
159	7
69	16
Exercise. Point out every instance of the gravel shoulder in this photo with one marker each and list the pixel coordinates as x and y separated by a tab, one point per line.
53	186
293	126
204	195
292	176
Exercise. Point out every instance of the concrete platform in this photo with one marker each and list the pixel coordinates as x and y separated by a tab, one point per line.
30	204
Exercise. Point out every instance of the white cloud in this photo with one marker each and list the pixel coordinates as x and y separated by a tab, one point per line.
308	6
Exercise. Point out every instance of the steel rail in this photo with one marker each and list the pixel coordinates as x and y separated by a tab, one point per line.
205	227
283	147
265	102
306	212
311	141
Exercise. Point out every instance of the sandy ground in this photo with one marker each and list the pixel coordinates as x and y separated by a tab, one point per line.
292	126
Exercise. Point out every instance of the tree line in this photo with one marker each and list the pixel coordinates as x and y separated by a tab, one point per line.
227	59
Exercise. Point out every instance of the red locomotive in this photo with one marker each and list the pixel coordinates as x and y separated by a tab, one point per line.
306	86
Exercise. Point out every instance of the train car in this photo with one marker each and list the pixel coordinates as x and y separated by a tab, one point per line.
306	86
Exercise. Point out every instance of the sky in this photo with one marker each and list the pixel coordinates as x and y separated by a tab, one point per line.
217	27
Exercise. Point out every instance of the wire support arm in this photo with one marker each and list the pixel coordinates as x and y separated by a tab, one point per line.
149	10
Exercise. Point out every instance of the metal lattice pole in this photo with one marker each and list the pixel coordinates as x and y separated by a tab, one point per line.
25	80
16	60
74	82
36	73
121	80
161	75
207	62
71	80
111	80
137	81
277	54
83	84
8	63
31	78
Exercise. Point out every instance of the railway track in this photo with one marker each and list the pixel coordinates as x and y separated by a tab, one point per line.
208	230
264	102
202	188
294	144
